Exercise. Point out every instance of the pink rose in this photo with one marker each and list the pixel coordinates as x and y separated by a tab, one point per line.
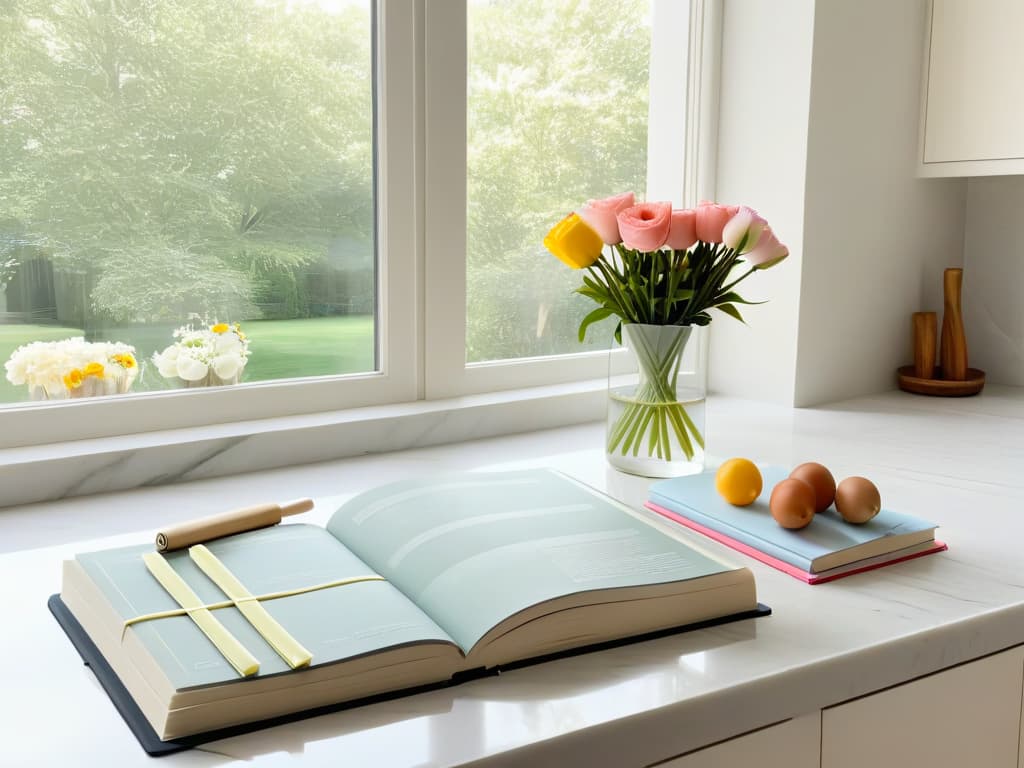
711	220
768	252
682	232
644	227
601	215
742	231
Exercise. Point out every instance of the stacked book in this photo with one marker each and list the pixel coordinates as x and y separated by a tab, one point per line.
827	549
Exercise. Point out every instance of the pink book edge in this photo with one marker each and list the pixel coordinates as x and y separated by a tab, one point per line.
774	562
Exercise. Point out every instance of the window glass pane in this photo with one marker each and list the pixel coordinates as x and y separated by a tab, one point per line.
557	114
166	163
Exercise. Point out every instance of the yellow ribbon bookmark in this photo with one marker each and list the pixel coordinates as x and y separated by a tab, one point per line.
287	647
268	596
244	662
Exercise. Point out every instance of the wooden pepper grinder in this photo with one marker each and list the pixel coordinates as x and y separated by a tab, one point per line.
925	332
953	346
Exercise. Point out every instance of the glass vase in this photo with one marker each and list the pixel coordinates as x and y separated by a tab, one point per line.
656	420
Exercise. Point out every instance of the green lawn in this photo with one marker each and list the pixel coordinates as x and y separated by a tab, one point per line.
278	348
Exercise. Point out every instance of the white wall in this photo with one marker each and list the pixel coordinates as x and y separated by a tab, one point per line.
762	148
876	239
993	278
819	131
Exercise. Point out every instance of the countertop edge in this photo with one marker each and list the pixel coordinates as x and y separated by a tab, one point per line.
655	736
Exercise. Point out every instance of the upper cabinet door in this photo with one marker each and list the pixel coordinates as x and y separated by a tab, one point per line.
973	112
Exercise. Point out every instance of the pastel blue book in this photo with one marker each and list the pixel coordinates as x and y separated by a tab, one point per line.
408	585
829	546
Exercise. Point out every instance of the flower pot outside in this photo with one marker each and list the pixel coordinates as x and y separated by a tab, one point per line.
39	392
656	416
211	379
114	382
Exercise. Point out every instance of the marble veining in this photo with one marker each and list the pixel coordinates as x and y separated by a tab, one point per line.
46	473
954	462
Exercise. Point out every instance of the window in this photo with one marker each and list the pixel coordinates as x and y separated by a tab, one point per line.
374	226
557	112
499	311
188	163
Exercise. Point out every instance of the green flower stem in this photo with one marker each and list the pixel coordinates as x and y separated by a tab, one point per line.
613	283
647	416
654	442
679	426
665	434
653	414
661	287
719	271
650	392
697	436
642	414
631	284
737	281
628	424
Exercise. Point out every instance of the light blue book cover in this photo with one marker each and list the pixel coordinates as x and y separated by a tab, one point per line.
696	498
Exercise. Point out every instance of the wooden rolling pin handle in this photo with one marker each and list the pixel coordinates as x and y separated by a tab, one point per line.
227	523
296	507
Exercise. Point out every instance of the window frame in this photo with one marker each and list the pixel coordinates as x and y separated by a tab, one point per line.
420	97
683	80
397	305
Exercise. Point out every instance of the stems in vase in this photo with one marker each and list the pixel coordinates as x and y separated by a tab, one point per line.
653	414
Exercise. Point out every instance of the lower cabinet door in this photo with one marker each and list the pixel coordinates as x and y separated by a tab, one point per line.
792	744
965	716
1020	744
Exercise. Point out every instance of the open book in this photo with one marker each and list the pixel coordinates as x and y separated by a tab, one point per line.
479	571
825	550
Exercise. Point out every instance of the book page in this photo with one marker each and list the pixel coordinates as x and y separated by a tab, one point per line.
335	623
473	549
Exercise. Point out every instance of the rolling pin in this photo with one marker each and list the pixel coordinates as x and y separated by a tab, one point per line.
227	523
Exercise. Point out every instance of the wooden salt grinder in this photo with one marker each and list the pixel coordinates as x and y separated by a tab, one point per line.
953	347
925	333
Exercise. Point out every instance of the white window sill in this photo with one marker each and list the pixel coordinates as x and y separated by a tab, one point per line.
61	470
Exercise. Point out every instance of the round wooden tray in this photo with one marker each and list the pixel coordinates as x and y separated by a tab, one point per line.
940	387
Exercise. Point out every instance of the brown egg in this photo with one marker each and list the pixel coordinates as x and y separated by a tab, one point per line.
857	500
792	503
820	479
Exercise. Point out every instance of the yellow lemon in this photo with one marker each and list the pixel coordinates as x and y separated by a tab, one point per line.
739	482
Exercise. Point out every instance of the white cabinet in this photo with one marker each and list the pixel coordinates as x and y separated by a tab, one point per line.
965	716
968	715
1020	742
792	744
973	89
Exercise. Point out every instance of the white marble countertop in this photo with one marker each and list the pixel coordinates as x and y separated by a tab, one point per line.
953	461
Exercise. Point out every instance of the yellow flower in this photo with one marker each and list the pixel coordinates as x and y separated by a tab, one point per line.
220	328
73	379
125	361
93	369
574	242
